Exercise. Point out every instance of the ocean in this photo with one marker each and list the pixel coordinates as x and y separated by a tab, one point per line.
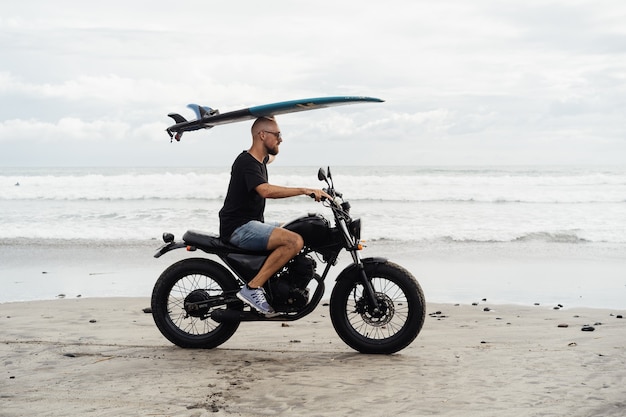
438	219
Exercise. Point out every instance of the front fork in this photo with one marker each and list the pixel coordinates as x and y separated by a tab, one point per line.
353	248
367	284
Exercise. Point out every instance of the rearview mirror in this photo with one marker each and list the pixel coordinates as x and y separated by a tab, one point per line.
321	174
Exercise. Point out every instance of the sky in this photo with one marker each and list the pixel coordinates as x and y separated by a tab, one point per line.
481	82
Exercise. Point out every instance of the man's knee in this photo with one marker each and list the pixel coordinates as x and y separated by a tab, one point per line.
293	241
286	238
298	242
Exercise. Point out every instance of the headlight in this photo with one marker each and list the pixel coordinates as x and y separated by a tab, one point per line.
355	228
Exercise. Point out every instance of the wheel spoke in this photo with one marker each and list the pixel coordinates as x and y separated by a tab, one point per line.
176	304
394	310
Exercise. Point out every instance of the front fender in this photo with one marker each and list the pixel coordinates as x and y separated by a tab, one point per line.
351	270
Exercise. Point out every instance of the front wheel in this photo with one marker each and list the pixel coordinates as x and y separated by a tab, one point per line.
398	319
185	295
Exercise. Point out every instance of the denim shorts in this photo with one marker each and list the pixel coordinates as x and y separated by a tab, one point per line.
253	235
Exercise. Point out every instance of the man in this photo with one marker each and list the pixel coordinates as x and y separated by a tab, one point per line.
241	218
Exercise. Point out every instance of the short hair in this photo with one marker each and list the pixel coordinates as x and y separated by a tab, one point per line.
262	124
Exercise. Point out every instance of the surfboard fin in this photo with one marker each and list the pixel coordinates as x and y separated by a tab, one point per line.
177	117
203	112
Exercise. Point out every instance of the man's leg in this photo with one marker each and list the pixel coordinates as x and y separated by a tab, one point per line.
284	245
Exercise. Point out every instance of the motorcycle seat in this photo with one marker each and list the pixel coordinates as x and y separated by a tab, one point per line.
211	243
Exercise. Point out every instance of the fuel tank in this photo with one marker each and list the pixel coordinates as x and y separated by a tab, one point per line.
314	229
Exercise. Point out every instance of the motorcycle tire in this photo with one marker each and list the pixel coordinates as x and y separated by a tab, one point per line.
395	325
193	279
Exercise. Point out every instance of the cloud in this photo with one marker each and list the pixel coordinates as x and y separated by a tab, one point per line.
67	129
494	80
107	88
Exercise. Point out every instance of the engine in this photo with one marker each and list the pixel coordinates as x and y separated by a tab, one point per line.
287	290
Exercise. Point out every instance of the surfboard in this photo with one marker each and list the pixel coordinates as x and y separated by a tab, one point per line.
207	117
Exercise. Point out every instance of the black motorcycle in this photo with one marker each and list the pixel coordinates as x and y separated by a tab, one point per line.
376	306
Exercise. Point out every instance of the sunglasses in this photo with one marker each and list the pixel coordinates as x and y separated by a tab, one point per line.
277	134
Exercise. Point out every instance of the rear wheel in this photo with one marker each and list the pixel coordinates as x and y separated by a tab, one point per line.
185	295
397	321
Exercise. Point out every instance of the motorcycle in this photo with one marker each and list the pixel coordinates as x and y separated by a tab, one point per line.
376	306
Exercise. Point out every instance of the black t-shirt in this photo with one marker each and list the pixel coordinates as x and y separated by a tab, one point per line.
243	203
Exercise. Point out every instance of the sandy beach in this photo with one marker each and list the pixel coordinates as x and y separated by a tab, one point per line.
105	357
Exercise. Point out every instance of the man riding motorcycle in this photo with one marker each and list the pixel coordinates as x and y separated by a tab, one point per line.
242	216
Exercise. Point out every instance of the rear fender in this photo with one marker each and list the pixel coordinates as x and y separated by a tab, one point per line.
169	247
352	270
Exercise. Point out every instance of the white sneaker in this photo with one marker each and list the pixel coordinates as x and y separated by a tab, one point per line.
255	297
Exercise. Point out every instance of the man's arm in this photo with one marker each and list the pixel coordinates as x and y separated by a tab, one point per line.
276	191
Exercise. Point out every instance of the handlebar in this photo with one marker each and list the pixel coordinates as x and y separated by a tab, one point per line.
312	195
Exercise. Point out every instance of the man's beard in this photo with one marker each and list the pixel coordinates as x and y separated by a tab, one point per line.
272	151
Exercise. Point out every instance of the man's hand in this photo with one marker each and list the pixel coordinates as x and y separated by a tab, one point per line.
318	195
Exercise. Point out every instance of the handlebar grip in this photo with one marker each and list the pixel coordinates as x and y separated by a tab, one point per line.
312	195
